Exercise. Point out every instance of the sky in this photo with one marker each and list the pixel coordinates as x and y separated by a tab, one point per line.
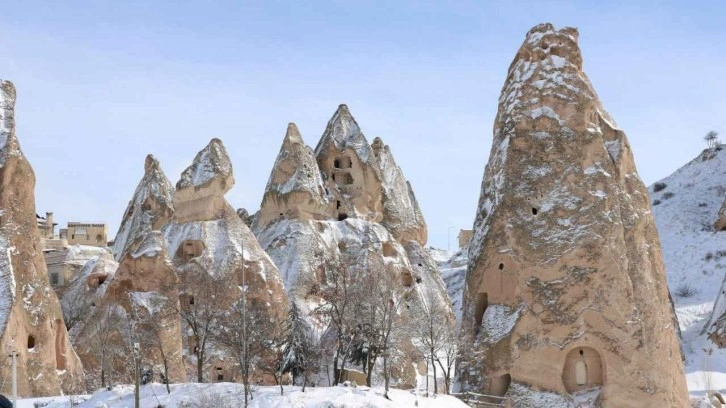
101	84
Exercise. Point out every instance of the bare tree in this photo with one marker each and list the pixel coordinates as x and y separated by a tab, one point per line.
342	298
151	325
711	139
201	298
106	336
431	328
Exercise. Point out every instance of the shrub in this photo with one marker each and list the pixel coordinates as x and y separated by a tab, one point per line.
702	205
685	290
667	195
708	256
659	187
656	202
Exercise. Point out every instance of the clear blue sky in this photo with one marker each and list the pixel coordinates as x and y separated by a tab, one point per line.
103	83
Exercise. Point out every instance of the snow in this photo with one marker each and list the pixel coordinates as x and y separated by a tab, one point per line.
687	209
7	118
152	244
185	395
343	132
138	221
209	163
498	322
7	283
452	267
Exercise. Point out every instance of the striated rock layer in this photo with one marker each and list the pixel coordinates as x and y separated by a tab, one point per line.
346	202
31	321
565	290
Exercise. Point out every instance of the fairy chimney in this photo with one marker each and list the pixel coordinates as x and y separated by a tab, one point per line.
31	322
566	291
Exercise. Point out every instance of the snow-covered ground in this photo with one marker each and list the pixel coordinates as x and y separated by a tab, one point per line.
685	208
221	395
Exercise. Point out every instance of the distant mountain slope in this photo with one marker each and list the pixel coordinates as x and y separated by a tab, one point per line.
686	205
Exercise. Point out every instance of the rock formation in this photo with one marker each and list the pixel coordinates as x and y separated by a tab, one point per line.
401	213
295	188
565	289
348	202
207	236
200	191
31	322
150	208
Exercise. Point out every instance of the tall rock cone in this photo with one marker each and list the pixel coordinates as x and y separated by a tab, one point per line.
150	208
295	188
206	237
200	191
146	286
565	294
31	322
401	213
349	168
364	218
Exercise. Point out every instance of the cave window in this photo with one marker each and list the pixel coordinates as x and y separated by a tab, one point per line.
418	280
582	370
191	300
337	204
101	280
31	342
501	266
342	163
54	278
190	249
347	179
500	385
333	177
534	211
342	216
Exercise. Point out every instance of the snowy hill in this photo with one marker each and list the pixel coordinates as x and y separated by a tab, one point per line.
686	205
223	395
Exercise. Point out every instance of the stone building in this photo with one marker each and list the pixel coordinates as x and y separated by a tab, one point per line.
464	237
85	234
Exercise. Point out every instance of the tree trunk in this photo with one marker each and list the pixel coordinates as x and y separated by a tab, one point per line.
433	364
336	372
200	366
305	379
385	375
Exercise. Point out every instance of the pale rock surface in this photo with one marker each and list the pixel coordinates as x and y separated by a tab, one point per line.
145	285
200	191
295	188
150	208
565	289
401	213
219	242
31	321
363	216
349	169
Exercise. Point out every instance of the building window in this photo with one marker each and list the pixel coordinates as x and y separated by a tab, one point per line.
220	375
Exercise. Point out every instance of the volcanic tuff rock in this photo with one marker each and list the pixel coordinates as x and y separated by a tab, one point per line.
150	208
222	245
295	188
200	191
565	288
356	208
31	321
401	213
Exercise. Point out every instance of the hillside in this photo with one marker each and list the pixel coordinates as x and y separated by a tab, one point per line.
686	205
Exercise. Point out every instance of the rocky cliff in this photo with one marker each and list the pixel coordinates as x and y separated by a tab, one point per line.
31	322
150	208
347	202
566	298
